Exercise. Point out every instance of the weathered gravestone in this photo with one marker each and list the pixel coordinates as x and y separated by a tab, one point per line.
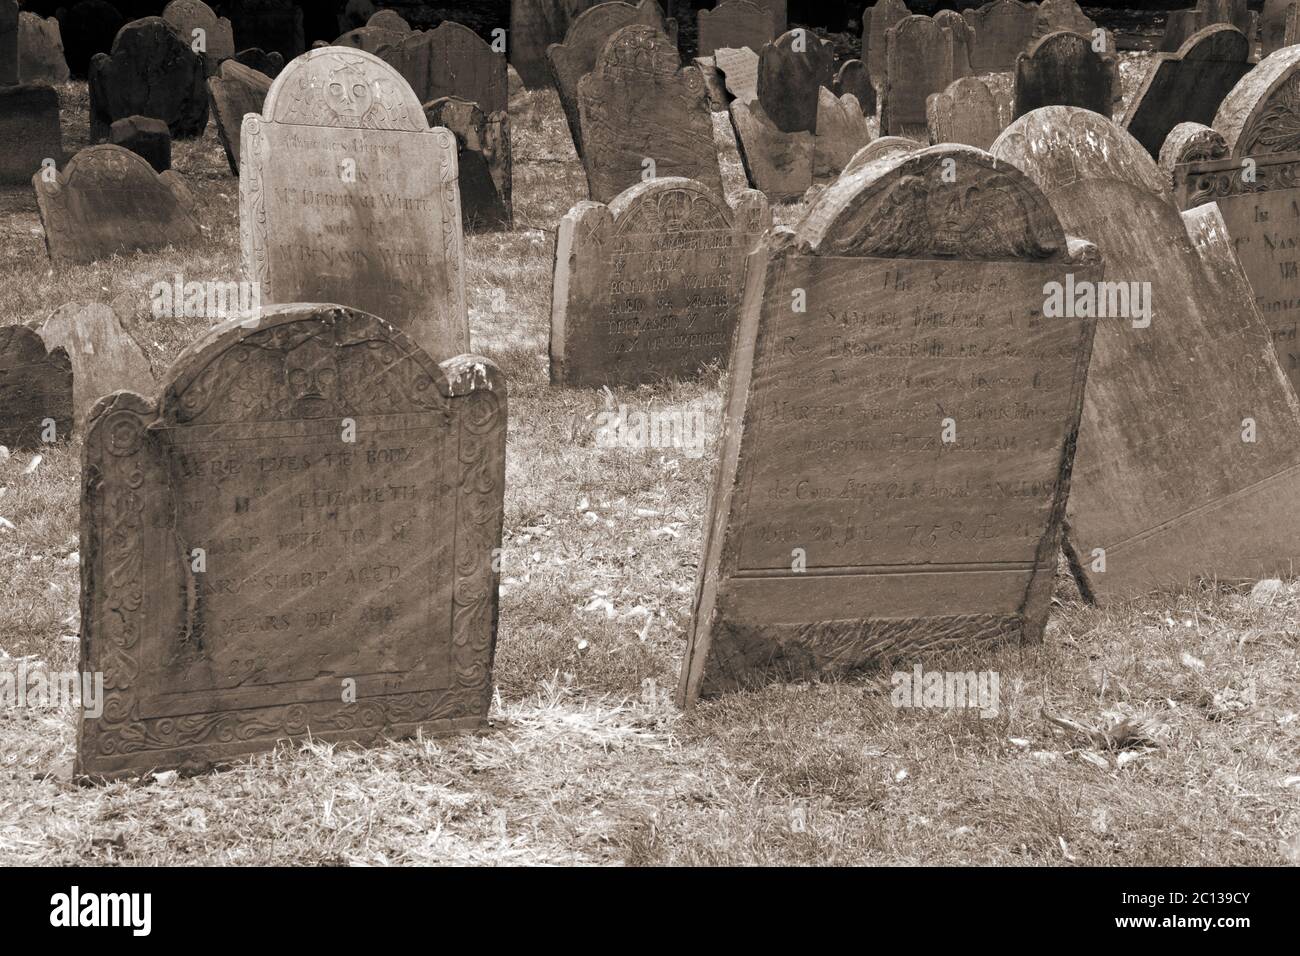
1171	480
268	64
29	131
151	71
776	11
922	59
648	288
880	148
791	69
195	22
389	20
876	21
1054	15
841	132
1003	29
637	107
843	528
451	60
87	28
483	158
966	112
35	390
8	42
534	26
233	93
1279	25
146	137
1180	25
1062	69
777	163
739	69
852	77
271	25
40	50
735	24
370	39
346	195
109	200
248	575
1190	143
963	40
1187	86
104	355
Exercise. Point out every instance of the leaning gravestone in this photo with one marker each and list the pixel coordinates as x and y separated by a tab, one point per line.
1189	143
841	132
87	28
109	200
268	64
1188	458
451	60
29	131
876	22
1062	69
233	93
345	587
40	50
1187	86
791	69
739	69
151	71
104	355
346	195
1003	29
966	112
648	288
735	24
483	158
843	529
853	77
922	59
640	107
35	390
272	25
1180	25
8	43
195	21
146	137
777	163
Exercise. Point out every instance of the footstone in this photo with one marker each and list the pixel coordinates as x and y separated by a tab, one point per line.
272	25
739	69
966	112
922	59
88	28
637	107
346	590
346	195
29	131
1003	30
451	60
1180	25
151	71
35	390
483	158
735	24
269	64
233	93
216	36
146	137
791	69
8	42
1062	69
109	200
876	21
778	164
853	77
648	288
1165	488
40	50
843	530
104	356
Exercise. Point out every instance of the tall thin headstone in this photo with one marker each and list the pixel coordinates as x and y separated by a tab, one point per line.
922	59
233	93
966	112
876	21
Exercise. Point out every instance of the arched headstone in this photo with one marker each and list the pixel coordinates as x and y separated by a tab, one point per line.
1062	69
218	39
150	71
35	389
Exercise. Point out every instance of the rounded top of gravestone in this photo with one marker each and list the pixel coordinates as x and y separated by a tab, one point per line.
1218	41
879	148
1191	143
389	20
683	204
1261	114
638	48
342	87
948	201
1065	44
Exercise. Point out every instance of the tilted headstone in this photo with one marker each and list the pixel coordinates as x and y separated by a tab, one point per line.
922	59
1054	15
109	200
216	36
640	107
735	24
876	21
271	25
29	131
844	527
145	136
852	77
966	112
8	43
1003	30
151	71
777	163
714	86
451	60
648	288
483	158
1187	86
739	69
35	390
389	20
87	28
1188	459
841	132
255	58
293	538
40	50
1180	25
1062	69
233	93
346	195
104	355
791	69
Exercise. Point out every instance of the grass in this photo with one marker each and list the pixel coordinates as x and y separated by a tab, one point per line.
587	760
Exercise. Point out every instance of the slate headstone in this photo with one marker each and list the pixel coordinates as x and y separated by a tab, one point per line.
963	40
146	137
104	355
451	60
966	112
40	50
1062	69
151	71
272	25
879	148
739	69
35	389
1189	143
734	24
876	21
233	93
852	77
342	594
777	163
791	69
841	132
922	60
1003	30
29	130
255	58
218	39
483	158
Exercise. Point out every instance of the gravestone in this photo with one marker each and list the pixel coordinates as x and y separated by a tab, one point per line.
1062	69
35	389
103	354
648	288
739	69
483	158
791	69
876	21
963	40
1187	86
1180	25
776	11
777	163
1003	29
1189	143
966	112
714	87
109	200
187	16
1054	15
880	148
268	64
151	71
356	13
40	50
841	132
233	93
145	136
1165	488
29	130
271	25
637	107
8	42
735	24
451	60
853	77
345	589
389	20
87	28
1279	25
534	26
370	39
922	60
346	195
843	530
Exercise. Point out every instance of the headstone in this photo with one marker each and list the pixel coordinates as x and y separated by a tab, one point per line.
146	137
1054	15
218	39
714	87
791	69
35	389
356	13
920	62
880	148
1182	24
776	11
639	107
271	25
843	529
346	589
8	42
40	50
777	163
346	195
739	69
648	288
1062	69
1272	25
1003	29
269	64
1168	482
735	24
534	26
151	71
876	21
853	77
109	200
103	354
966	112
451	60
483	158
389	20
87	28
29	130
1189	143
233	93
963	40
841	132
370	39
1187	86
